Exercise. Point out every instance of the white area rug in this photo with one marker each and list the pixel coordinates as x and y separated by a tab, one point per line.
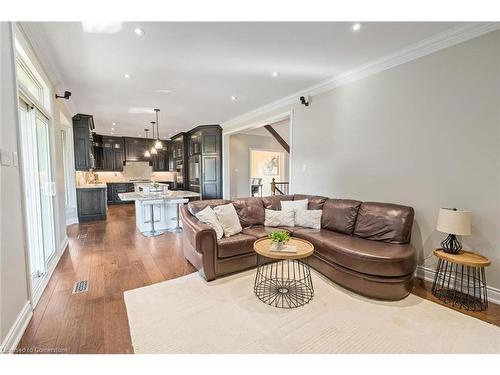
189	315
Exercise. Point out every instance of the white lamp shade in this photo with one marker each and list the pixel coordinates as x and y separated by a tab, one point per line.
454	221
153	151
158	144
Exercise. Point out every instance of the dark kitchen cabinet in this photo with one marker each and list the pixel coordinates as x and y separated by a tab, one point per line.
112	154
91	203
178	160
135	148
83	143
205	161
116	188
161	162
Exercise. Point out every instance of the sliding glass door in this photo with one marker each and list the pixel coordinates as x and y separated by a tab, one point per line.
38	189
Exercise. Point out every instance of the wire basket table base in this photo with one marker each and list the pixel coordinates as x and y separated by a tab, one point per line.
284	283
460	285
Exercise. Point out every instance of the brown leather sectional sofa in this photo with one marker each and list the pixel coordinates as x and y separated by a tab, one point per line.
363	246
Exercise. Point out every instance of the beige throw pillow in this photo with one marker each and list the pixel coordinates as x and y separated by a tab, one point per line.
208	216
283	218
295	205
228	219
308	218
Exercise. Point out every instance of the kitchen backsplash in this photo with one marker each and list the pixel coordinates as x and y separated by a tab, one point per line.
131	171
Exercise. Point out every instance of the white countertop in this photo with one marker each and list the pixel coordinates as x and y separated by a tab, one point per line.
100	185
169	195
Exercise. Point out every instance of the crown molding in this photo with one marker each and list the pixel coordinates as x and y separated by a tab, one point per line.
448	38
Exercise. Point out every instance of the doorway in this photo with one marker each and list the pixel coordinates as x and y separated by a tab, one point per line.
266	165
39	190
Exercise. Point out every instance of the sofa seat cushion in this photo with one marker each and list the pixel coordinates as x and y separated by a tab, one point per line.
365	256
258	231
239	244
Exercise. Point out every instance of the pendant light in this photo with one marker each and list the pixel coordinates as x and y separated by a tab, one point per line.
153	149
158	144
147	154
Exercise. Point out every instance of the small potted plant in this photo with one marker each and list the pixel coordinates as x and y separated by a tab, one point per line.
279	238
155	186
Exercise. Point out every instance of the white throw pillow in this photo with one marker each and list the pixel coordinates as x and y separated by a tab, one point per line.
208	216
295	205
308	218
228	219
283	218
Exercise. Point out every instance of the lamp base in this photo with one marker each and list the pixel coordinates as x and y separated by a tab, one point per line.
451	245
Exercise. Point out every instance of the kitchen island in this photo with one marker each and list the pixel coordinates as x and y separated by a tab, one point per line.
163	206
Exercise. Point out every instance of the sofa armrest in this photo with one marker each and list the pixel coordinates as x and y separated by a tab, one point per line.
201	238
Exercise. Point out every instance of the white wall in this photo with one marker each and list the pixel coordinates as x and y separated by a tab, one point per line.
239	162
425	134
13	281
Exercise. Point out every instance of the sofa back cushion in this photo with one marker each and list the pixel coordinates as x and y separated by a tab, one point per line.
339	215
316	202
250	211
196	206
385	222
273	202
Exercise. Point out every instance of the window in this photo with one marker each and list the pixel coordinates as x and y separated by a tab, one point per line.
30	81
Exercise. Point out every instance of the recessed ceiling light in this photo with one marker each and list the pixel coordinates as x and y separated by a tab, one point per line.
139	32
114	123
176	130
356	26
102	27
275	74
164	91
234	98
126	75
112	128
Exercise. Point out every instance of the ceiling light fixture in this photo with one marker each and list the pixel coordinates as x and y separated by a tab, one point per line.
147	154
234	98
158	144
275	74
102	27
164	91
356	26
139	32
153	149
114	123
126	76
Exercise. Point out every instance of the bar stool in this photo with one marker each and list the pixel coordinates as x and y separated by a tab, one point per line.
177	202
152	204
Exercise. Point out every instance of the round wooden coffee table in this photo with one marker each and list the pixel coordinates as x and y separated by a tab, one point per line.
460	279
283	278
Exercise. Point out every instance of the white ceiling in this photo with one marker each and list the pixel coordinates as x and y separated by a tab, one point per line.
204	64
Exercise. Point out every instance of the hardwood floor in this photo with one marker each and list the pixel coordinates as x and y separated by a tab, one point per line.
114	257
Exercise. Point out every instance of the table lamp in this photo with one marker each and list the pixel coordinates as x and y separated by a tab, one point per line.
454	222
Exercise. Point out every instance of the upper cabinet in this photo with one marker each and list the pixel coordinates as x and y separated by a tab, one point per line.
83	142
113	155
161	161
135	149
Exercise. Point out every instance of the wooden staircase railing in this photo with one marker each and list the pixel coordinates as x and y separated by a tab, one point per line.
279	187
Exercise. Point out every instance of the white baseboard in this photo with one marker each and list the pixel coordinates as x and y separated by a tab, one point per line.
428	274
15	333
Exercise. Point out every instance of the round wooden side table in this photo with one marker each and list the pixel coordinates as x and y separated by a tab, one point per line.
283	279
460	279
